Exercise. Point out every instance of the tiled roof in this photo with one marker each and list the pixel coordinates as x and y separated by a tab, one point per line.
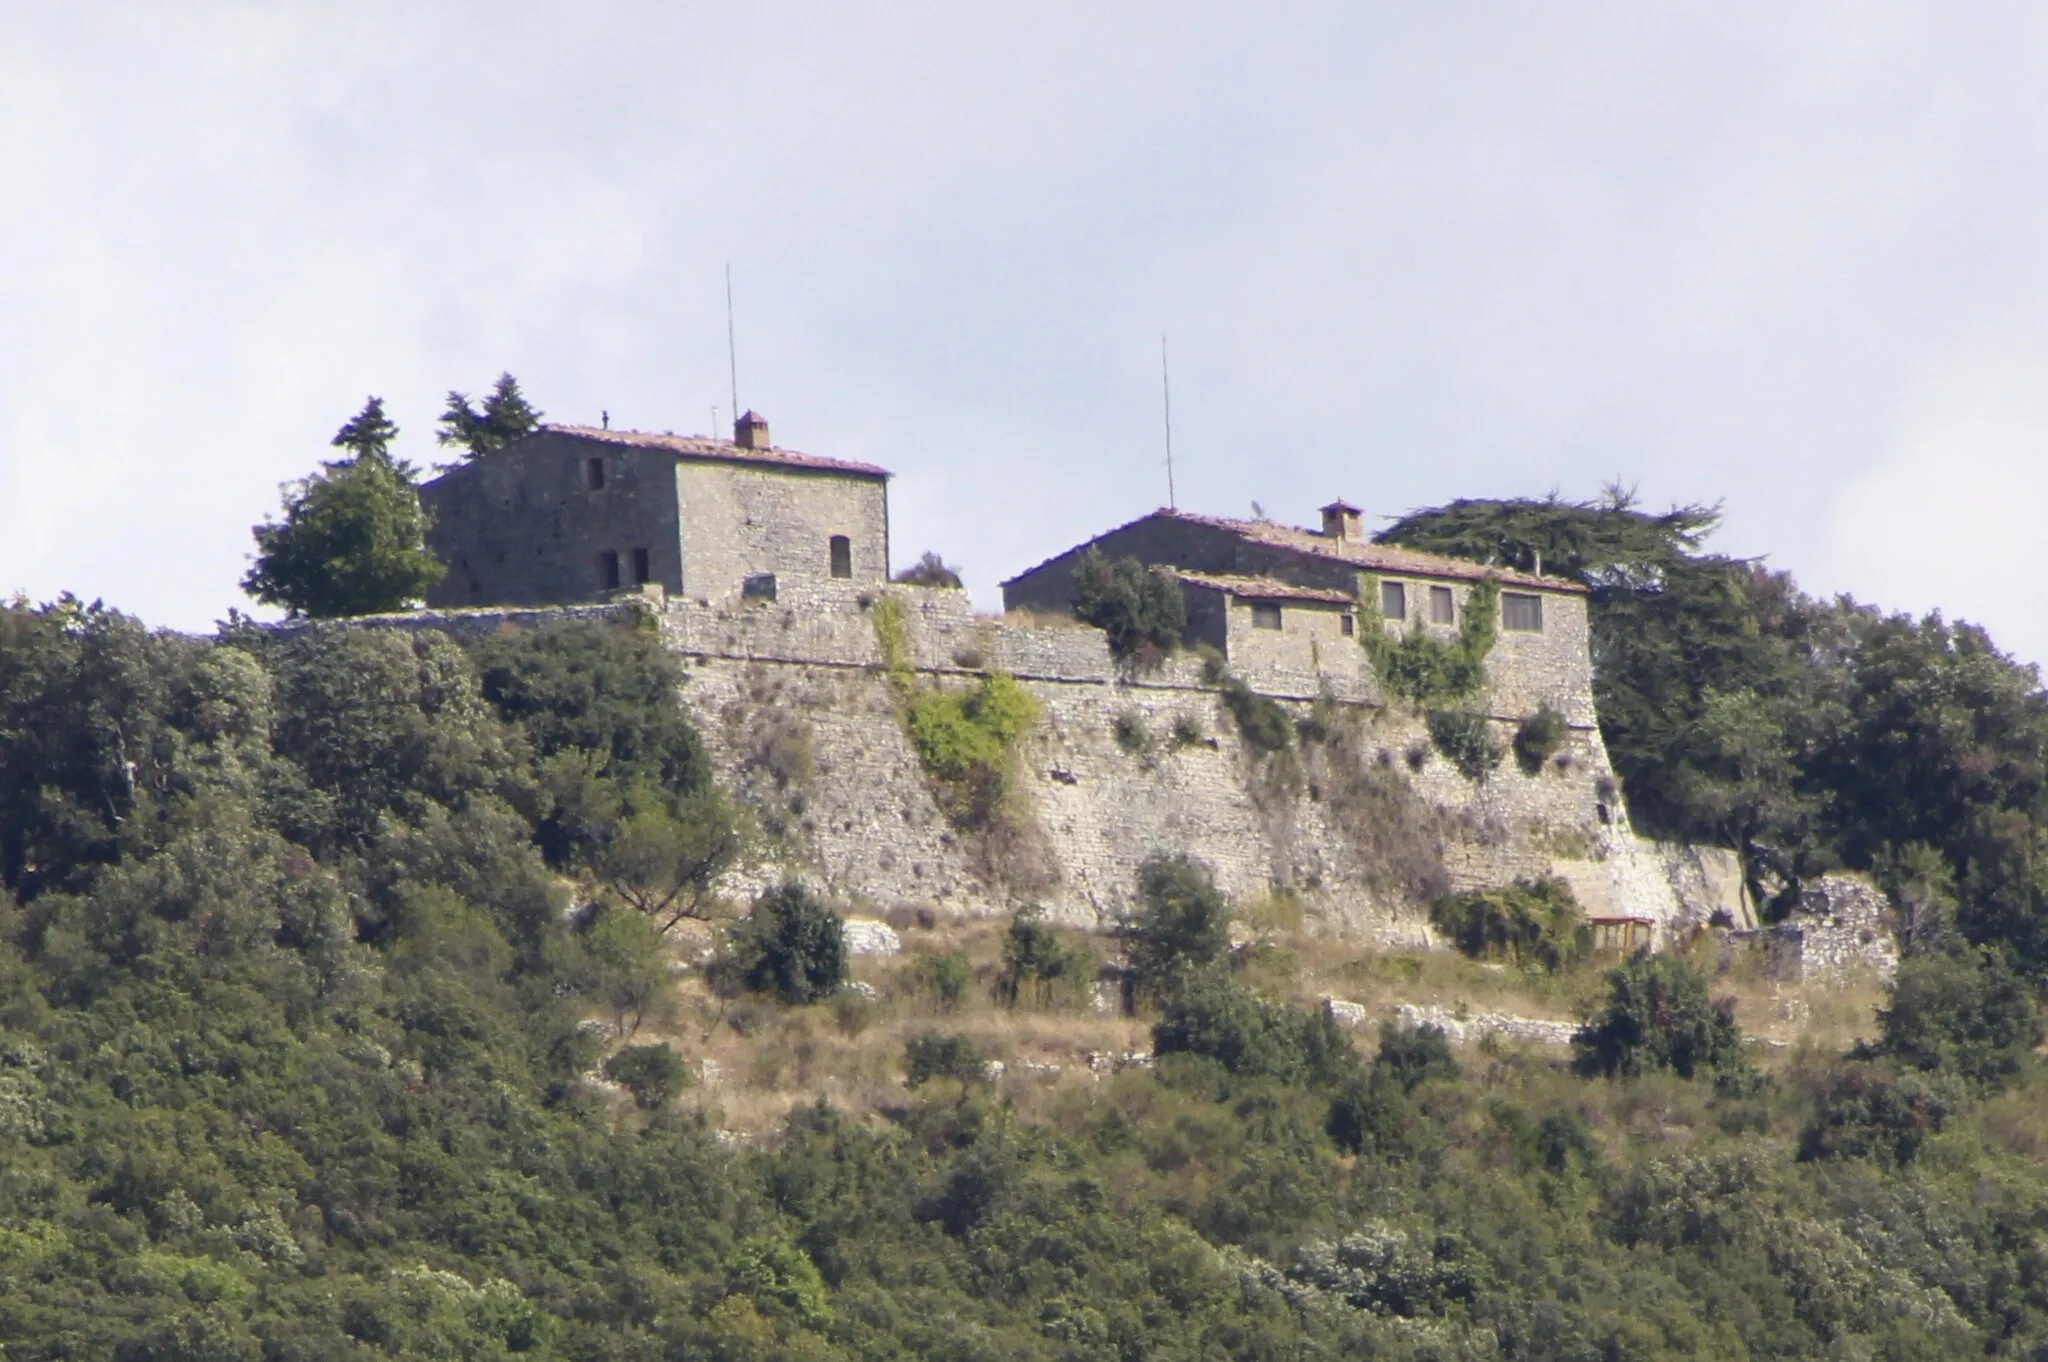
1373	557
721	451
1360	553
1262	588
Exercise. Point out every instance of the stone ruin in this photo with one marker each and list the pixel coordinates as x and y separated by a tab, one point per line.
1840	928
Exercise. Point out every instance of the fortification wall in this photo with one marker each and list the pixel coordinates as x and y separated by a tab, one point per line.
804	724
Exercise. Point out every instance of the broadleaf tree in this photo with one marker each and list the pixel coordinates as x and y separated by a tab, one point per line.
353	537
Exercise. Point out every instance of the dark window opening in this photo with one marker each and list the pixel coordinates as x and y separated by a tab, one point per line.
1442	609
759	587
1520	612
610	560
641	574
1394	600
842	556
1346	623
594	471
1265	615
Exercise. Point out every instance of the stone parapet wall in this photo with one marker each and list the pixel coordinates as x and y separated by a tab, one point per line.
805	671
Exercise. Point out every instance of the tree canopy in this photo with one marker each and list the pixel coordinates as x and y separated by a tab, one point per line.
505	417
353	537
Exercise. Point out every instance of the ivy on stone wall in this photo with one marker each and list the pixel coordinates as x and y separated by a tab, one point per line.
1424	670
966	740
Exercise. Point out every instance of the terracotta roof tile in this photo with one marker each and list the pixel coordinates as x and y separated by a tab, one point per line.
1373	557
1262	588
721	451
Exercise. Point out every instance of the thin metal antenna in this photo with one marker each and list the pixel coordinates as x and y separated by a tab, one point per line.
1166	392
714	420
732	349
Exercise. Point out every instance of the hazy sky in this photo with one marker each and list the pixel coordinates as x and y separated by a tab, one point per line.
1790	257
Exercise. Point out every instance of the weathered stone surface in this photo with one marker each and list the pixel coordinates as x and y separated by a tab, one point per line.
870	936
1841	928
1460	1030
1347	1013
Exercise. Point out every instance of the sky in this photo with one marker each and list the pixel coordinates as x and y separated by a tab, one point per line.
1784	257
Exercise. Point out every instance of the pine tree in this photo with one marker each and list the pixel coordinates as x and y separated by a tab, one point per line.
353	537
369	431
505	418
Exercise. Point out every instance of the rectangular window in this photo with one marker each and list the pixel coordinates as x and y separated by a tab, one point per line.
759	587
1346	623
1442	609
641	575
593	471
1394	600
1521	612
1265	615
610	561
842	556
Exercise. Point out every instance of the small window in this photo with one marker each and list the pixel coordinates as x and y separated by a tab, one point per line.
842	556
610	561
1265	615
1521	612
1442	609
641	574
1394	600
759	587
1346	623
593	472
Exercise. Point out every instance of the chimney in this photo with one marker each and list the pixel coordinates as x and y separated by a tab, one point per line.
1341	521
750	432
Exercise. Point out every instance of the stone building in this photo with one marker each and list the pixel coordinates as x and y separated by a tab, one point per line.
571	513
1268	594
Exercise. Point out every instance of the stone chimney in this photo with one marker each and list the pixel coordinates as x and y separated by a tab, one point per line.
1341	521
751	432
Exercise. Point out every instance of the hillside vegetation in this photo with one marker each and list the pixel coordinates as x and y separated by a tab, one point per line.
338	1020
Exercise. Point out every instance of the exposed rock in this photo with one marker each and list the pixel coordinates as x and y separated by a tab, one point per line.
1461	1030
871	936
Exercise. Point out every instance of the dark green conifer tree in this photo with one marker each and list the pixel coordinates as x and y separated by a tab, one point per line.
506	417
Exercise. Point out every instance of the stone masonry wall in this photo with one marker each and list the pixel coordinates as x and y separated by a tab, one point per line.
738	521
804	673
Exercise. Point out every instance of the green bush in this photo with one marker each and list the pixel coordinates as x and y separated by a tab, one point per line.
1420	668
944	977
652	1073
1182	923
1658	1016
1142	609
1530	922
1870	1112
1261	722
932	1055
1413	1055
1040	966
779	1277
1967	1014
1132	735
1209	1014
1538	739
1465	740
965	740
792	945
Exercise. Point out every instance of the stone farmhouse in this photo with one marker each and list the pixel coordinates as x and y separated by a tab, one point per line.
1273	598
571	513
762	568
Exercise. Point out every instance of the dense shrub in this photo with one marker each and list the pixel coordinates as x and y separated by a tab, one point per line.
942	976
792	945
933	1055
1422	669
1261	722
965	739
652	1073
1465	740
1142	609
781	1277
1041	967
1538	738
1967	1014
1870	1112
929	570
1209	1014
1658	1016
1182	923
1533	922
1372	1113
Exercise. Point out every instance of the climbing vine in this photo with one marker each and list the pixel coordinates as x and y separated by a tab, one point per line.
1421	668
966	740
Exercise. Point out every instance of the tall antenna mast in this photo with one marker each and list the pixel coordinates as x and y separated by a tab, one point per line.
732	349
1166	392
